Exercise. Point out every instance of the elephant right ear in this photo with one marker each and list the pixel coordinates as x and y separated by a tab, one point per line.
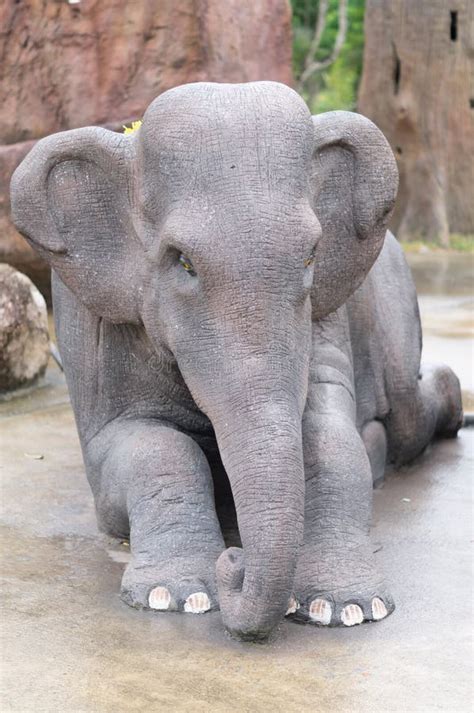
354	185
71	199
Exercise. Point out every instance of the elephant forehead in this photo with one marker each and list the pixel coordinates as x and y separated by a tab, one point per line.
259	132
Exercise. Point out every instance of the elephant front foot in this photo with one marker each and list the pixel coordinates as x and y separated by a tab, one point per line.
181	584
339	587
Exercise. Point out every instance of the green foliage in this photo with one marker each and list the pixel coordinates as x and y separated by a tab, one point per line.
457	243
462	243
336	86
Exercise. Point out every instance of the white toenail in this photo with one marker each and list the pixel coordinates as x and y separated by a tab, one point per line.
379	610
352	614
197	603
320	611
159	598
293	606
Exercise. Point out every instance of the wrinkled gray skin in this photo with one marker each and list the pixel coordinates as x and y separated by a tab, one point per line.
286	352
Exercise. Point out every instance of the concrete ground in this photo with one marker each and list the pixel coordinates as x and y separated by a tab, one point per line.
70	645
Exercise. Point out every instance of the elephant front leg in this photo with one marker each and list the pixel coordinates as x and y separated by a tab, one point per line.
337	581
160	480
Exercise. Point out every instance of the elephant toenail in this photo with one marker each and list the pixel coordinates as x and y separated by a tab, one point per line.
379	610
197	603
293	606
159	598
320	611
352	614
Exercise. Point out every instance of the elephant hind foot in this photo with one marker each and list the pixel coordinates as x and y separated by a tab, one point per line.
343	589
433	409
181	584
444	388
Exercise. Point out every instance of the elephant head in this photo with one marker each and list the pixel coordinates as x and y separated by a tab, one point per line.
225	225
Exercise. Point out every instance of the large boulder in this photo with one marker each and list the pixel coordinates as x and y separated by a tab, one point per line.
24	337
99	62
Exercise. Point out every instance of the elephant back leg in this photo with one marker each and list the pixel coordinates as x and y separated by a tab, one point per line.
414	404
430	408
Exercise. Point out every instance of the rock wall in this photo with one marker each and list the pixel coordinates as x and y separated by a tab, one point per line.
65	65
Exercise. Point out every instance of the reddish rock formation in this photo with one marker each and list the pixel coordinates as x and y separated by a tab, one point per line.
13	248
66	65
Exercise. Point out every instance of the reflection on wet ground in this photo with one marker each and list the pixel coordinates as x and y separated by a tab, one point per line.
445	285
443	274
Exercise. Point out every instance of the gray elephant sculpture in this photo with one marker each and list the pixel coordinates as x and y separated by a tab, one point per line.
231	310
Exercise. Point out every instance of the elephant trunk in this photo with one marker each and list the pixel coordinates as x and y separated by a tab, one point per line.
262	454
254	393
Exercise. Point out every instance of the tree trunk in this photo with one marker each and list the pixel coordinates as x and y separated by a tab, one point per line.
417	86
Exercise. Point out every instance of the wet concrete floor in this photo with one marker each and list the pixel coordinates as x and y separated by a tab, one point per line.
445	285
68	643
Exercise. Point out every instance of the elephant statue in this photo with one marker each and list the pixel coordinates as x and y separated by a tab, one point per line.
235	322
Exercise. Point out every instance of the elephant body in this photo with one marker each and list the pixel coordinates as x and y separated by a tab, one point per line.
231	312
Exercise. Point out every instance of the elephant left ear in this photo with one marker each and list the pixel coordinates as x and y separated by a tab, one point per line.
71	200
354	181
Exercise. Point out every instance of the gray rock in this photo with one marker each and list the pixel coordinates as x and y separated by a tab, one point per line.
24	337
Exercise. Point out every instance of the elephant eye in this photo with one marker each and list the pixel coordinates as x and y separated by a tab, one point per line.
186	264
310	260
